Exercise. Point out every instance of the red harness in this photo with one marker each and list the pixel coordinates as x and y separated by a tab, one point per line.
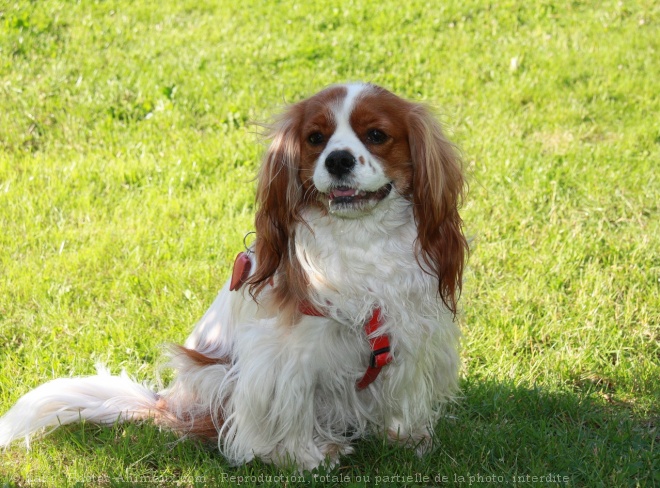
380	345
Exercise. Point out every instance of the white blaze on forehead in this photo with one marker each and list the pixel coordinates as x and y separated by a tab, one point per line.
343	110
344	134
368	173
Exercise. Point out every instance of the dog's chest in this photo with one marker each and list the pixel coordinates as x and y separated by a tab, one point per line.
361	263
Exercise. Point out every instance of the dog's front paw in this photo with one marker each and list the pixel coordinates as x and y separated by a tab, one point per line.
420	439
334	451
315	454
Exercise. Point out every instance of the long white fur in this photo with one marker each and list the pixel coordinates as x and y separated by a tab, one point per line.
288	393
102	399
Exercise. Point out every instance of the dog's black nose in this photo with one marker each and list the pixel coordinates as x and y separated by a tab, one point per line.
339	163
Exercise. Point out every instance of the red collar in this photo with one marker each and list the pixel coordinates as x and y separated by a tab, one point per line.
380	345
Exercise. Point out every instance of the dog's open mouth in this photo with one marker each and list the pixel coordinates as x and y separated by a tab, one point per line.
343	198
345	195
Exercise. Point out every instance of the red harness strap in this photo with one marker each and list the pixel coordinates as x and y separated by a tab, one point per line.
380	346
307	308
381	354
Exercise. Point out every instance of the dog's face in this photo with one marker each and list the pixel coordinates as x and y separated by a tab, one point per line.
348	149
354	148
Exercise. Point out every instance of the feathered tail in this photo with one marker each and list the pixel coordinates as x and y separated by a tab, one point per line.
101	399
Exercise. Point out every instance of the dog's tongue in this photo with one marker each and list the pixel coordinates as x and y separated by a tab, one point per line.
344	192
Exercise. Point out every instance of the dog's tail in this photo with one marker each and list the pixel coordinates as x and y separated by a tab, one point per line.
101	399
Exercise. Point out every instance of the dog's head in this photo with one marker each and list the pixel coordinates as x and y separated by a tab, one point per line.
348	149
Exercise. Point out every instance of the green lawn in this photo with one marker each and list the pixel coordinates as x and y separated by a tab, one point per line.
127	161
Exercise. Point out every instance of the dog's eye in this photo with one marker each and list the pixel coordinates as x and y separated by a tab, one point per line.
376	136
315	138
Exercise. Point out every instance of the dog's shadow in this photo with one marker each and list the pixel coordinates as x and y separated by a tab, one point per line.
495	434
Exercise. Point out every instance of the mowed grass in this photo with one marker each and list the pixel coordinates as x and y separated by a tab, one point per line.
127	161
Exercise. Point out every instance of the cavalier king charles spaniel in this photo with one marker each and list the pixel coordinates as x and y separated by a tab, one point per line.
339	321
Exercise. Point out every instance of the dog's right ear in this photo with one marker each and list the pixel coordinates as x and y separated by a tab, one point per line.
279	196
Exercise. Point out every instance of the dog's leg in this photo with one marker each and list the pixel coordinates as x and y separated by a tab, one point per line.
424	379
271	412
271	408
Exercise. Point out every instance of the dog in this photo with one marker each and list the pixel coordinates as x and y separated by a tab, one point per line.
339	321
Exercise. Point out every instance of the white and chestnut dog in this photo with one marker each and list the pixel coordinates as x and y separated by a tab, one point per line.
338	322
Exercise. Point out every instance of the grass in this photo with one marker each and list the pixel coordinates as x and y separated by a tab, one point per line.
126	166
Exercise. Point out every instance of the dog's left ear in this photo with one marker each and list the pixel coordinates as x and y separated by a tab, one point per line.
438	187
279	196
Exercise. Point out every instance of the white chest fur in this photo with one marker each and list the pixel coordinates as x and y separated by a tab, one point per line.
354	266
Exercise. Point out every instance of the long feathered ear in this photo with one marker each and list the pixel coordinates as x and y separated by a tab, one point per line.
438	187
279	197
